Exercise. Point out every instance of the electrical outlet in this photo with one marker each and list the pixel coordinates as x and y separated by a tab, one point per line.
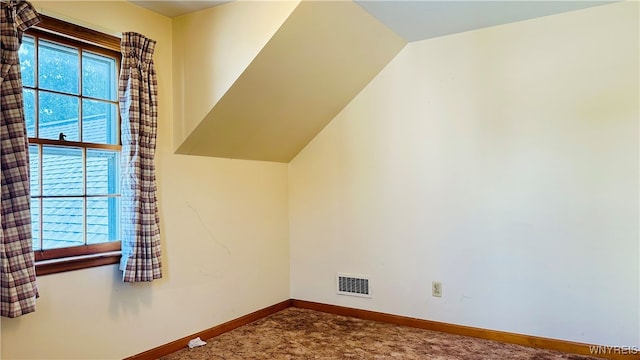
436	288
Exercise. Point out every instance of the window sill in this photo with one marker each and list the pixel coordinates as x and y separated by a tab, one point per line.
46	267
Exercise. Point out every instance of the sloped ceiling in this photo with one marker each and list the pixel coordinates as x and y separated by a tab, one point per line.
321	56
420	20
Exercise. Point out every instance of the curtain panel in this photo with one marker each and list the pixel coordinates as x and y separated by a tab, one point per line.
138	96
18	289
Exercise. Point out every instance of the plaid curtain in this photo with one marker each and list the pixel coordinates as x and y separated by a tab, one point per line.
138	92
18	290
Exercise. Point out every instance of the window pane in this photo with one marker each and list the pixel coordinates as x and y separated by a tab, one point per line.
103	215
27	56
98	74
61	171
30	111
58	114
34	175
58	67
99	122
35	223
102	172
62	222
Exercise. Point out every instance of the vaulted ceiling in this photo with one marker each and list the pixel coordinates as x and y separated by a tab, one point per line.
258	80
420	19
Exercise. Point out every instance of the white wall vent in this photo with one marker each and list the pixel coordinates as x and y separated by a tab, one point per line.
353	285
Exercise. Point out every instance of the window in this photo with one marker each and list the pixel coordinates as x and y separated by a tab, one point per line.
72	118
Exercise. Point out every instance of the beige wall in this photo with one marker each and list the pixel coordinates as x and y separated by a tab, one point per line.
502	162
212	48
224	229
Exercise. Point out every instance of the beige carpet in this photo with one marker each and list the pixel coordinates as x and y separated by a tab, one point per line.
305	334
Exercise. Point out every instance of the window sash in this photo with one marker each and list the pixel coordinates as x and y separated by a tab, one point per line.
87	42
